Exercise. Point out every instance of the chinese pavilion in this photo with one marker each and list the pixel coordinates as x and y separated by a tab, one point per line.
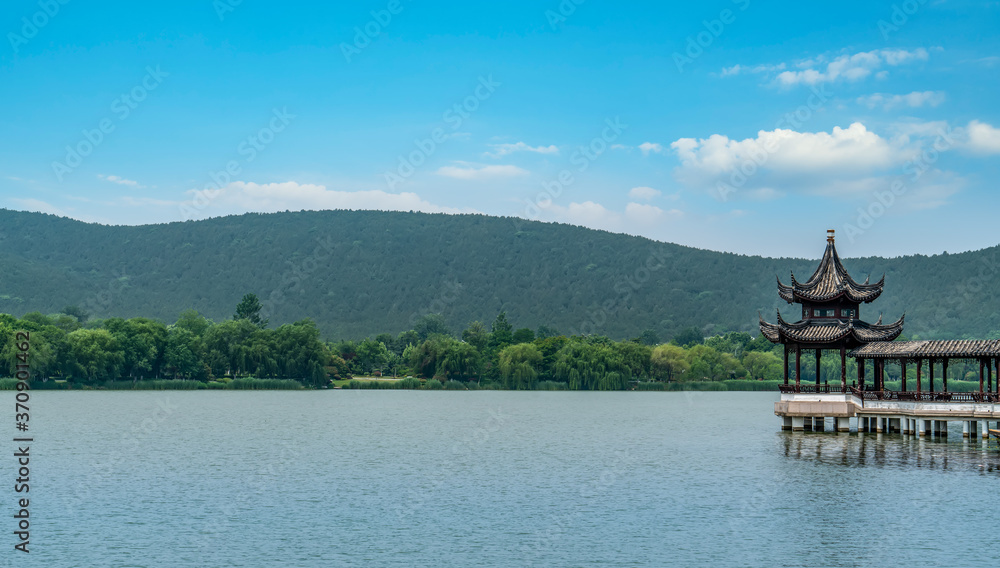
831	302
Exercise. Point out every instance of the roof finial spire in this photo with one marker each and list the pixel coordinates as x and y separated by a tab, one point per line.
829	235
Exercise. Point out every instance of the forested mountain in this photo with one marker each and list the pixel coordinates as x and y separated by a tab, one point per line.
359	273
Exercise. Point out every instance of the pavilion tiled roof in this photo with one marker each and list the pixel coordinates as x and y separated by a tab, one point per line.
829	282
830	331
959	349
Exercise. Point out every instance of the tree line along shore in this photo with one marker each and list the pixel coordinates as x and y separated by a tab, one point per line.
70	351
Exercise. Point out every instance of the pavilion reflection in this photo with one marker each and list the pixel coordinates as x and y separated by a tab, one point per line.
885	450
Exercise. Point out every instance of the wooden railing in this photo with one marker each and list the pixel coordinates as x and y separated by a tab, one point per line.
904	396
813	388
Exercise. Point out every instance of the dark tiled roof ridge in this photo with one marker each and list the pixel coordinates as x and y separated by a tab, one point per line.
826	331
829	282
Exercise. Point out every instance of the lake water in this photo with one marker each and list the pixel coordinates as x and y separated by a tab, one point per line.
383	478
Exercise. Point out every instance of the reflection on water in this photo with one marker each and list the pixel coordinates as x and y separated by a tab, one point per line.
892	450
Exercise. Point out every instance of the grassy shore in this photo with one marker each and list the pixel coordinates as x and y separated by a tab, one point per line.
411	383
236	384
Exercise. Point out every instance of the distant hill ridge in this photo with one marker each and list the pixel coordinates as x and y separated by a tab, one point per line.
358	273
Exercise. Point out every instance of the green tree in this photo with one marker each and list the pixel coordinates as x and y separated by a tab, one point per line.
592	364
390	343
183	355
669	361
707	364
501	332
760	343
523	335
194	322
519	366
688	336
460	361
372	355
763	365
96	354
143	342
549	347
635	357
477	336
648	337
227	347
249	309
299	354
407	338
76	312
431	324
425	359
734	343
545	331
48	347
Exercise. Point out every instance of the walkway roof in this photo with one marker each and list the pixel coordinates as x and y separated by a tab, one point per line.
958	349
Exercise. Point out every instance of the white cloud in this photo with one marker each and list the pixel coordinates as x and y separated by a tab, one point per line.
822	69
982	138
241	197
634	219
644	193
590	212
500	150
746	69
469	172
734	70
646	214
845	162
121	181
915	99
650	147
851	149
988	61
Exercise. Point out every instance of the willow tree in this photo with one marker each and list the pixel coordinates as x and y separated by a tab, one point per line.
519	366
461	361
592	366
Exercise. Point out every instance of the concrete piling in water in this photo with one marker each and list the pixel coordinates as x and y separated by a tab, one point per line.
843	424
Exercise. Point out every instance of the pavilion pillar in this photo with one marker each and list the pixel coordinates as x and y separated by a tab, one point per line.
980	375
818	354
861	374
843	369
989	377
944	375
798	367
902	368
920	363
786	364
997	361
931	387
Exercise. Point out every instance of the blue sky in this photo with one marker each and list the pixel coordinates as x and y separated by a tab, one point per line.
744	126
